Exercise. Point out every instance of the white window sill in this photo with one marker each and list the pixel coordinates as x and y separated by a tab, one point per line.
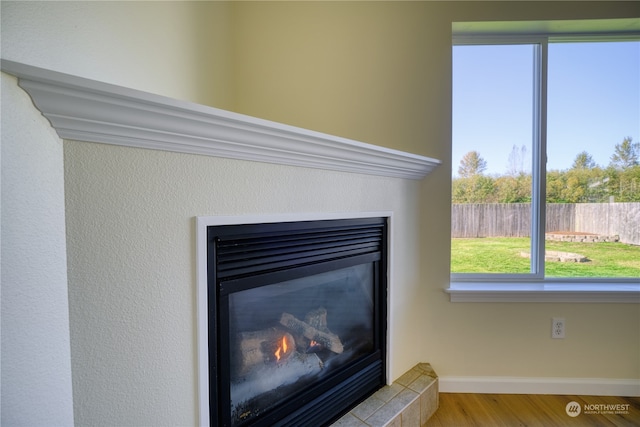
545	291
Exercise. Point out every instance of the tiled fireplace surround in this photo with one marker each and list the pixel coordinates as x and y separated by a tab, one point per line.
170	125
409	402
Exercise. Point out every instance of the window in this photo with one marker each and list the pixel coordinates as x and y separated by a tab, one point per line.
524	225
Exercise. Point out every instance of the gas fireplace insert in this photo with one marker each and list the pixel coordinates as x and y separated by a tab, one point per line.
296	320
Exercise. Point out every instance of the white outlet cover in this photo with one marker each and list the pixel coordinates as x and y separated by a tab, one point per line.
557	327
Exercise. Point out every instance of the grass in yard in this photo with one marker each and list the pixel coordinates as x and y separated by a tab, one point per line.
502	255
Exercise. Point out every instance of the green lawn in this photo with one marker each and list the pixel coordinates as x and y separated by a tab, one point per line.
502	255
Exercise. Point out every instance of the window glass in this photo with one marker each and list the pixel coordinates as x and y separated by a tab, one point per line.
492	158
593	174
591	144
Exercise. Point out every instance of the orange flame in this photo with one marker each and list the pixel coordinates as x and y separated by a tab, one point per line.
282	349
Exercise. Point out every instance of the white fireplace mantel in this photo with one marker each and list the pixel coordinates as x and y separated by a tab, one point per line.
87	110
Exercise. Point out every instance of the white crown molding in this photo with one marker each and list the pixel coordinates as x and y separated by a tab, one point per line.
87	110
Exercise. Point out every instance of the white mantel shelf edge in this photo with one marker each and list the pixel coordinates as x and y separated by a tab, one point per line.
91	111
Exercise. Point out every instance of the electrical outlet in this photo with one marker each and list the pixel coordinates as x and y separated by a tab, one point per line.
557	327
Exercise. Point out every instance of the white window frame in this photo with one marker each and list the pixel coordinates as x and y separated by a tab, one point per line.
534	287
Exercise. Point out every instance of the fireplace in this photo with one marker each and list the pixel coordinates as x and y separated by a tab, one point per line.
296	319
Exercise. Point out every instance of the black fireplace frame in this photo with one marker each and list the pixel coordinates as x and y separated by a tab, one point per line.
246	255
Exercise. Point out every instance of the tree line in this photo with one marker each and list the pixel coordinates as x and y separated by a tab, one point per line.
584	182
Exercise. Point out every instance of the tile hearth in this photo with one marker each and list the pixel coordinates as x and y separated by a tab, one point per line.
408	402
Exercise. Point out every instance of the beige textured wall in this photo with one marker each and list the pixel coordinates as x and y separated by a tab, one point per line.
355	69
179	49
35	359
132	285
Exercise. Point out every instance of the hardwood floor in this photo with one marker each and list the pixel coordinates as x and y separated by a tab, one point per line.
493	410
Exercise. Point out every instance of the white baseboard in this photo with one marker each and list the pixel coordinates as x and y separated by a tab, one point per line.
529	385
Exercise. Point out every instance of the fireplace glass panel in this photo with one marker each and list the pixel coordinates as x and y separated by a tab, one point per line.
285	336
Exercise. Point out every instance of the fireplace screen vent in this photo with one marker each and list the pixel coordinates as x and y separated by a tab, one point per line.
297	320
256	251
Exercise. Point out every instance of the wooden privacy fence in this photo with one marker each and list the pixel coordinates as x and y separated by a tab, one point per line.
514	219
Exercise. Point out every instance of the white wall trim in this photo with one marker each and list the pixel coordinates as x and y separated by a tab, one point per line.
202	222
575	291
530	385
87	110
